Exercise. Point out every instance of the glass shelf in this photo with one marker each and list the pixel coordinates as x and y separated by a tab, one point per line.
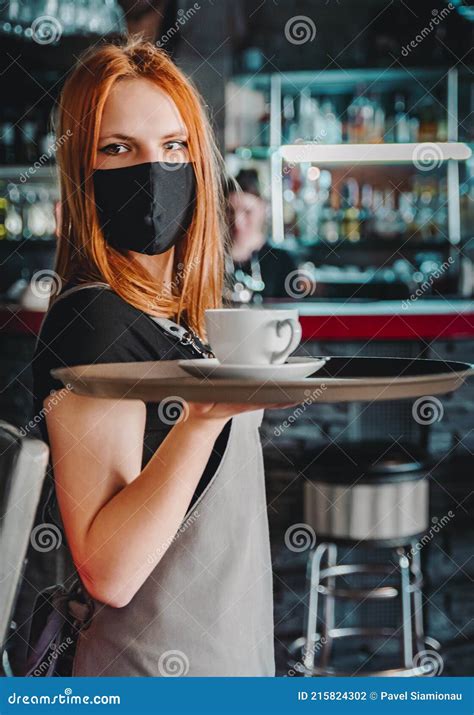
421	154
341	81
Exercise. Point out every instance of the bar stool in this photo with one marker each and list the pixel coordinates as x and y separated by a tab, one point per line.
372	495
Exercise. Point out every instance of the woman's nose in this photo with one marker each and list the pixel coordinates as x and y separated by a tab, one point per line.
151	153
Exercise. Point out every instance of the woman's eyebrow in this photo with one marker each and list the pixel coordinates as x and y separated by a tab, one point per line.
124	137
109	135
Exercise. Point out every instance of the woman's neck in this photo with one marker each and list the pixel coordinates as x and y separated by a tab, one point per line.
160	267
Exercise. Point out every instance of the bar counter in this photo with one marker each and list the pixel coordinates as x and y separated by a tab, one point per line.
425	319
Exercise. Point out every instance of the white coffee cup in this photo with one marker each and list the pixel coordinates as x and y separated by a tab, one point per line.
252	336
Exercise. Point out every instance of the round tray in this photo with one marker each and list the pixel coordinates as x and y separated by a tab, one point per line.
341	379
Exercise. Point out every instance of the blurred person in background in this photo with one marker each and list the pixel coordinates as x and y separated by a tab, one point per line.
256	268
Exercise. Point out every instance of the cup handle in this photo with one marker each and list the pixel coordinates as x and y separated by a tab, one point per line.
295	325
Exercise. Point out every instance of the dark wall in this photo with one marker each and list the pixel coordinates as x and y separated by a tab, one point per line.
358	33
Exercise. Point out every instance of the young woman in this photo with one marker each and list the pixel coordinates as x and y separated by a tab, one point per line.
165	518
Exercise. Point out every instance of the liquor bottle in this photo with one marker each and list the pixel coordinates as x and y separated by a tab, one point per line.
332	131
402	122
13	219
328	226
428	125
289	130
3	213
365	216
349	213
357	117
376	131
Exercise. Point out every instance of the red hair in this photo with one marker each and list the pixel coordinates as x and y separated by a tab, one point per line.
82	252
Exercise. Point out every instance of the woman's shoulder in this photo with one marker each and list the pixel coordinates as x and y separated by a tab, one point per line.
92	324
95	300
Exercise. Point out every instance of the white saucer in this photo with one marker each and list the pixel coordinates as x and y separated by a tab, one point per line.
295	368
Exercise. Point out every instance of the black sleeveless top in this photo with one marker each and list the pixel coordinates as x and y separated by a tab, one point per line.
95	325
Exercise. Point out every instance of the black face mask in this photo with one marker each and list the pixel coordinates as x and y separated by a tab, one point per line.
145	208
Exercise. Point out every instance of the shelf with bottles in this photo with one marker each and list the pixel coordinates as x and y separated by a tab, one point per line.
27	138
360	207
378	106
27	212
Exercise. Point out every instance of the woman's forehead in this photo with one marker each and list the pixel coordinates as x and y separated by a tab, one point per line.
139	108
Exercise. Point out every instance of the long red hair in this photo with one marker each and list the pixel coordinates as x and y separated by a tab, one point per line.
82	253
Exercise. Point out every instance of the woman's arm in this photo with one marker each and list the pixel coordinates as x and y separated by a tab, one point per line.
118	518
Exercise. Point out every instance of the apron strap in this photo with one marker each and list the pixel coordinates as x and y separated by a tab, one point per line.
184	335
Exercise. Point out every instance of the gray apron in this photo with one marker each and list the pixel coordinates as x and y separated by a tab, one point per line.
206	609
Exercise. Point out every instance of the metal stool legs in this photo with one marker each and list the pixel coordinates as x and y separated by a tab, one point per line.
322	575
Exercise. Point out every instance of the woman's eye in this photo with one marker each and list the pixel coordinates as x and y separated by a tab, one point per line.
114	149
176	148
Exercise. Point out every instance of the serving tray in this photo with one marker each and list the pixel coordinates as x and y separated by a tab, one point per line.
341	379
